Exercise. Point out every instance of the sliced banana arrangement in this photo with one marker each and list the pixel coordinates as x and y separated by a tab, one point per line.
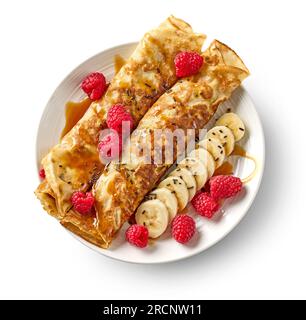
225	136
153	214
167	197
175	191
197	169
234	123
179	188
215	148
188	178
206	158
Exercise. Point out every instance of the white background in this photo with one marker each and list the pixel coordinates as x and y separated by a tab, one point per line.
264	257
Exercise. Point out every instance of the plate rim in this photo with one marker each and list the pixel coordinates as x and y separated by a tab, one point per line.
102	251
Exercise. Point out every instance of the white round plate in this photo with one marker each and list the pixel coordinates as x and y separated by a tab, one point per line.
209	232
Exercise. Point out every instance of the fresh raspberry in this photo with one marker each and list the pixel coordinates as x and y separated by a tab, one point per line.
224	186
110	146
42	173
116	115
137	235
204	204
94	85
183	228
82	202
187	63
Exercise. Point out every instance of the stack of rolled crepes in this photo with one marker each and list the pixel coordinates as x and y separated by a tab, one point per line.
147	85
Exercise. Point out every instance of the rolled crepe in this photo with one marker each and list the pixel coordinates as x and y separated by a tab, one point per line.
189	104
73	164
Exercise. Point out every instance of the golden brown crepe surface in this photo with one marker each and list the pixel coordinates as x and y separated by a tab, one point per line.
189	104
74	163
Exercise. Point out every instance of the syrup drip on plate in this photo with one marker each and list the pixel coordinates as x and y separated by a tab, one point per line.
225	169
74	112
119	62
239	151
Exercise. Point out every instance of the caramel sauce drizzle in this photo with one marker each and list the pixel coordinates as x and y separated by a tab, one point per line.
75	110
73	113
239	151
119	62
225	169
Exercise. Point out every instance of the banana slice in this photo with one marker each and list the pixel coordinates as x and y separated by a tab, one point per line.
179	188
205	157
215	148
153	214
225	136
233	122
167	198
197	169
188	178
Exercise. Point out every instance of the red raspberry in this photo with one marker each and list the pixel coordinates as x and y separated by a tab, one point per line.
187	63
94	85
116	115
137	235
224	186
82	202
204	204
183	228
110	146
42	173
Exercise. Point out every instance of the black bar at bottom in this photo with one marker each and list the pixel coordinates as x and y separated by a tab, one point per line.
146	309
